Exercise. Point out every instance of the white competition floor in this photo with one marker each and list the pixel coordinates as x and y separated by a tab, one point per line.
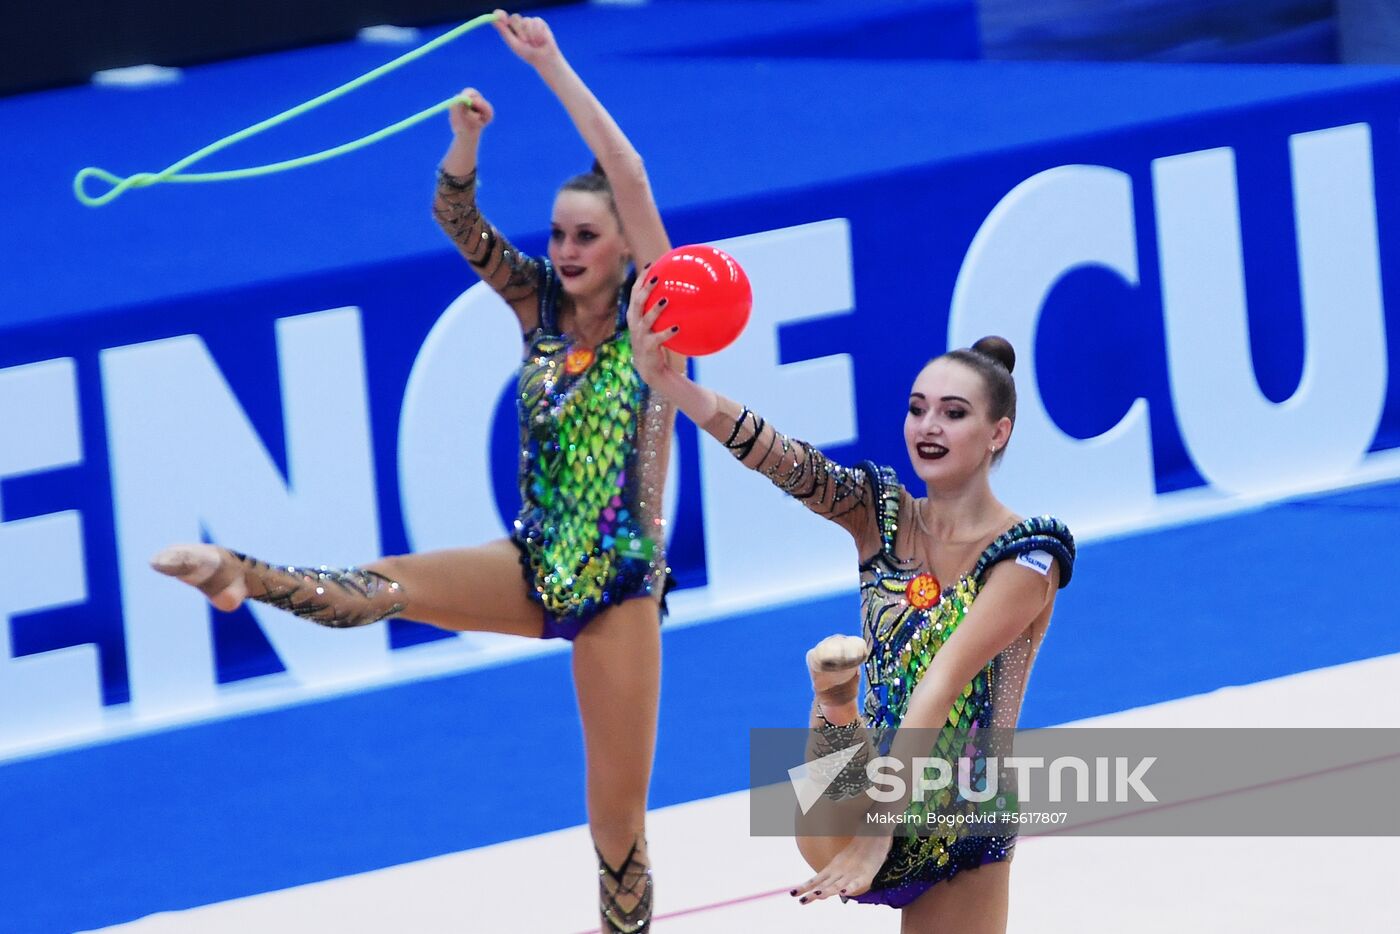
712	876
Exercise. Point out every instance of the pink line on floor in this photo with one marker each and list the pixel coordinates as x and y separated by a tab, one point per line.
729	903
1272	783
714	906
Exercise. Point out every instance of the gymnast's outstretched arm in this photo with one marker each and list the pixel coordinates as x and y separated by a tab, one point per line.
842	494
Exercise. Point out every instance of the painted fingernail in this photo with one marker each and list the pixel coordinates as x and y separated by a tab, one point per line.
802	901
662	303
793	892
675	328
651	281
817	892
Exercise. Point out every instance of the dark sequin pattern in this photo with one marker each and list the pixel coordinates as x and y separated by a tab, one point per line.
511	273
337	597
799	469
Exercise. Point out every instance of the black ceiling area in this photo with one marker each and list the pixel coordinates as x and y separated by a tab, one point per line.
67	41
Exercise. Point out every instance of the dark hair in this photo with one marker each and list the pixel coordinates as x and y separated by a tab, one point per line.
595	182
993	358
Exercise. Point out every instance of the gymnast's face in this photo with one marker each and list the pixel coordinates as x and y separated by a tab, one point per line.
949	431
586	245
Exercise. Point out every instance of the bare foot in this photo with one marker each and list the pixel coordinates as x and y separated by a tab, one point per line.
834	665
850	873
214	570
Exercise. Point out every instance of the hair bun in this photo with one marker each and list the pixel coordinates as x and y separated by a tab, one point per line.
999	349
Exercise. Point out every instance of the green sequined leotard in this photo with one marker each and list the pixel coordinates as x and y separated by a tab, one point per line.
594	440
906	618
590	528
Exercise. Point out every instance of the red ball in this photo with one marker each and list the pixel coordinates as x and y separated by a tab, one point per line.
708	297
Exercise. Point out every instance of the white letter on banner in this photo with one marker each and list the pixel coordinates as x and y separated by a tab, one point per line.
445	425
1241	441
445	428
186	460
1050	224
445	471
798	274
41	560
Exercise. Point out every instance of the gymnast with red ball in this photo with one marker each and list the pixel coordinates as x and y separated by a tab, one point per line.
956	596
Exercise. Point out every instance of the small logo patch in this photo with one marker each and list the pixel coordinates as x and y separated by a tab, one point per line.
1036	561
640	548
578	360
923	592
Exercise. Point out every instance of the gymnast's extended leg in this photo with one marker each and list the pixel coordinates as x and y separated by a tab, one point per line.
462	589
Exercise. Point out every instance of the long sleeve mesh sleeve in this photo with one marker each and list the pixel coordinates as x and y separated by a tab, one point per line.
844	495
513	275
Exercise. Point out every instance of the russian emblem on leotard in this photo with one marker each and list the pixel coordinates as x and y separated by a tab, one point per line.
923	591
578	360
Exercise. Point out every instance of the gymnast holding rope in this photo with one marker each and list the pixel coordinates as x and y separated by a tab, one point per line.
586	560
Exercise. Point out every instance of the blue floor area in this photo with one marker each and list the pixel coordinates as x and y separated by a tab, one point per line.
1153	617
270	800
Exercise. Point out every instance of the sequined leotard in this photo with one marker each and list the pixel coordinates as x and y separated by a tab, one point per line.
592	467
906	619
594	441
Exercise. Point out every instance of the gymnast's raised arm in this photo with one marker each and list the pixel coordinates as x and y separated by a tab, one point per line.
514	276
531	39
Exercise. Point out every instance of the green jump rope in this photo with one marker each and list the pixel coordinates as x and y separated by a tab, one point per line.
175	172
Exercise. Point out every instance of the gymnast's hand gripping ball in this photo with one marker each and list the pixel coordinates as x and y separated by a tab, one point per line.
708	297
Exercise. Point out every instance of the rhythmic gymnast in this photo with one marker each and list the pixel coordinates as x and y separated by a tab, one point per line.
590	537
946	616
